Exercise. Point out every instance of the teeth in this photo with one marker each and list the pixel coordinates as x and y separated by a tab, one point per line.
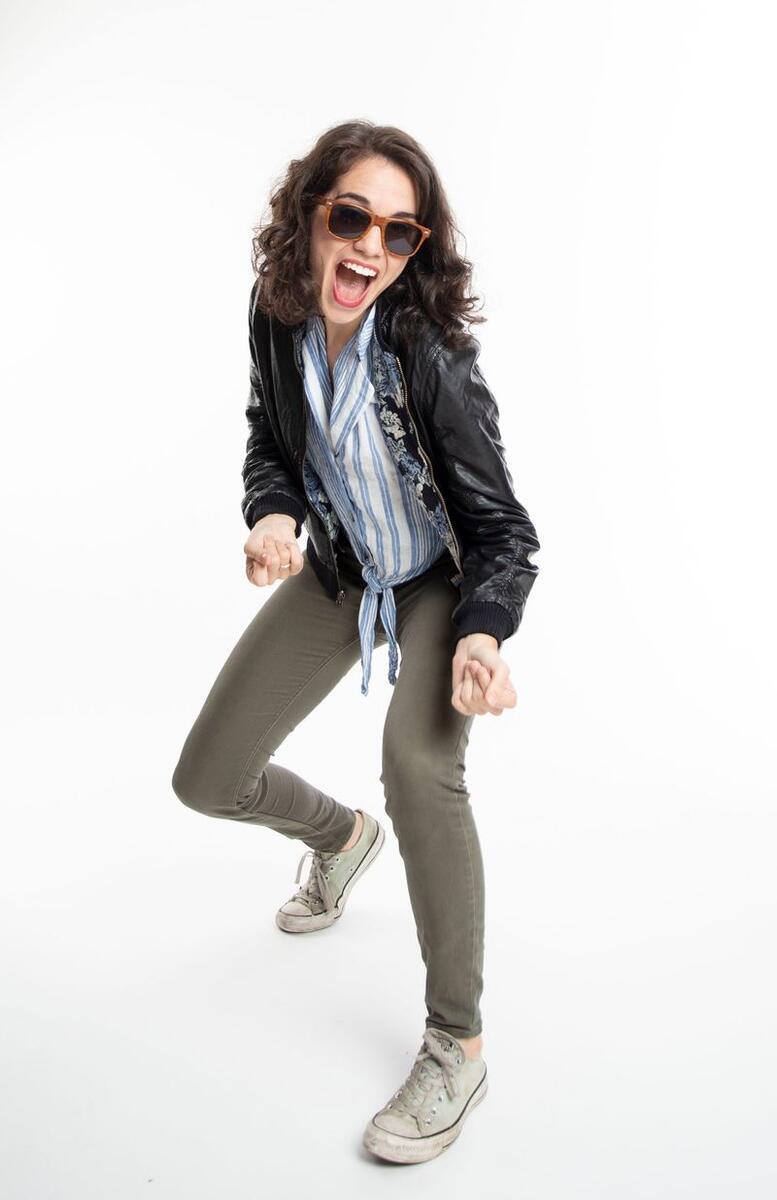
360	270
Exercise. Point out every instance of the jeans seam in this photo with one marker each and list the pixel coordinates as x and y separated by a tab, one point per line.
258	744
291	820
471	867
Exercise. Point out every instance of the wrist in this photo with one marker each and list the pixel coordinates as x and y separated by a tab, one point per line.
285	517
480	639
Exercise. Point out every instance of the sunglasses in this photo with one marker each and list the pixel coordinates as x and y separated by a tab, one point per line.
349	221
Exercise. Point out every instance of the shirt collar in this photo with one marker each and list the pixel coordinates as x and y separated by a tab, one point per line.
364	332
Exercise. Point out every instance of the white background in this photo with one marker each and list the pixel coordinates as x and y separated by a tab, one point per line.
611	167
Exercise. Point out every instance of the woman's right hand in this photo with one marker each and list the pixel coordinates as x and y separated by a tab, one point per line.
272	551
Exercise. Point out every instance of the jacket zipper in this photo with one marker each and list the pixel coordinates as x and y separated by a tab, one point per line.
425	457
340	598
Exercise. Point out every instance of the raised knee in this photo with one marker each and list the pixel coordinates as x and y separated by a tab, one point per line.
187	789
219	794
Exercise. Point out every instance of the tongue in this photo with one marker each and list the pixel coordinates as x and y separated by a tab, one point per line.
350	285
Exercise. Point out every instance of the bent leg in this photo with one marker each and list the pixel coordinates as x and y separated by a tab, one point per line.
291	655
424	747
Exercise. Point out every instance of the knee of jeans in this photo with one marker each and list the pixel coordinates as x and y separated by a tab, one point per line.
408	771
195	786
187	788
198	789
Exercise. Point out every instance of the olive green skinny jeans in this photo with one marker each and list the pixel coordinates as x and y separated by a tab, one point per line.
293	652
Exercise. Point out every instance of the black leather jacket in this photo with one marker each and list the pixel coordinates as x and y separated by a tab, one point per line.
441	425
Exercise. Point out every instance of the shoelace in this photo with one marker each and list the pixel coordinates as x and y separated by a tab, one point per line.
430	1067
316	887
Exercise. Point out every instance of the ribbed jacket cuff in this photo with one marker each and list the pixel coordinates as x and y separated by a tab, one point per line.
276	502
484	617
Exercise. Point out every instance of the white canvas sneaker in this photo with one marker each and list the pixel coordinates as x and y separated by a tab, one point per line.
322	898
429	1110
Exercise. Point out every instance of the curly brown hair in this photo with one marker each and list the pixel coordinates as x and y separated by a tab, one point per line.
435	284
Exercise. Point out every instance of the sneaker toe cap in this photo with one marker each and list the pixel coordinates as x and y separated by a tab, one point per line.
401	1124
295	908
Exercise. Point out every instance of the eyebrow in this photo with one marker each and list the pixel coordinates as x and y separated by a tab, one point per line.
364	200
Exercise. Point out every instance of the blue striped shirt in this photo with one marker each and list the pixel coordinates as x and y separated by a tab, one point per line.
348	457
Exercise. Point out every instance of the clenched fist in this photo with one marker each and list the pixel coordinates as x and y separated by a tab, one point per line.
481	677
272	551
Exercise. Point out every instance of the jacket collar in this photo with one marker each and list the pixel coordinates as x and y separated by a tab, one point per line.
384	321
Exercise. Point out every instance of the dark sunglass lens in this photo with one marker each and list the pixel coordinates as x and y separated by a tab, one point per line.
402	238
348	222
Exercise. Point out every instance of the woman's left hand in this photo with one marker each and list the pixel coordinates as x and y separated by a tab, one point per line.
481	677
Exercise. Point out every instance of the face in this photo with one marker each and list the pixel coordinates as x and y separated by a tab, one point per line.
387	190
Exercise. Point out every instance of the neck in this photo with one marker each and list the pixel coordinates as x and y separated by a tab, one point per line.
338	335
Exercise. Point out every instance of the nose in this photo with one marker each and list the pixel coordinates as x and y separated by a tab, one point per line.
370	244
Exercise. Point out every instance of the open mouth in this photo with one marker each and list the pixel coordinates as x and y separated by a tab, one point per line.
350	286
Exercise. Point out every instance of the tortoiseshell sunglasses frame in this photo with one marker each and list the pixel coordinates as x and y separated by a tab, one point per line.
381	222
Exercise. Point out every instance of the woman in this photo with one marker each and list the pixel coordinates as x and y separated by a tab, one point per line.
371	423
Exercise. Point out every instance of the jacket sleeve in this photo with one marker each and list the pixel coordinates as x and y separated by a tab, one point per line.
269	488
495	532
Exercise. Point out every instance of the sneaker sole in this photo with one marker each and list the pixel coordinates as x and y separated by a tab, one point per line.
290	923
394	1148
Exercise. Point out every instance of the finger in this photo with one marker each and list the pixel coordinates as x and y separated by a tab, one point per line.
284	560
270	558
500	691
297	561
485	692
256	573
503	699
274	556
479	685
466	691
472	675
504	695
478	703
499	676
474	697
463	705
280	556
481	676
262	554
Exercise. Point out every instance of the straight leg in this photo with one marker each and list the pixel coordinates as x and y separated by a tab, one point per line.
424	746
